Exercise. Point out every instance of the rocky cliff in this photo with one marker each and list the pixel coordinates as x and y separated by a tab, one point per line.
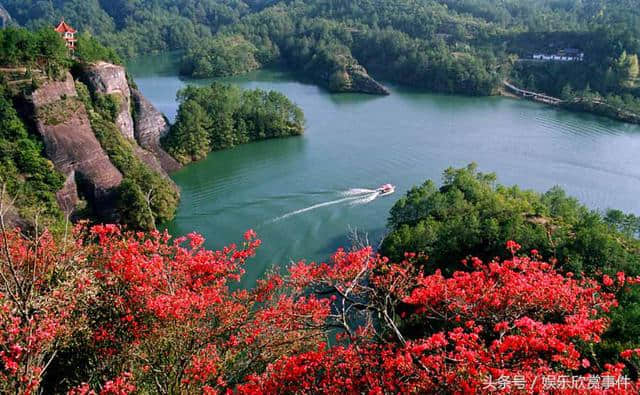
353	77
5	18
60	116
71	145
106	78
150	127
360	81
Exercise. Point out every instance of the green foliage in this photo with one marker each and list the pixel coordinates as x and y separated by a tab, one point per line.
89	50
626	69
604	83
220	56
58	112
328	41
627	224
146	198
26	173
456	46
40	49
471	214
189	138
221	116
133	206
133	26
468	213
45	51
108	105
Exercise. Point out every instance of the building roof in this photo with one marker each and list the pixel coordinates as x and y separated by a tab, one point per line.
64	28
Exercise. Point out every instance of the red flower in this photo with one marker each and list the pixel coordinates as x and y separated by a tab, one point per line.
606	280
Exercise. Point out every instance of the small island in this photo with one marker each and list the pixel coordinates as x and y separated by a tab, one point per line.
222	116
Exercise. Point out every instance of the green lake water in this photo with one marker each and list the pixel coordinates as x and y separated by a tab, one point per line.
294	192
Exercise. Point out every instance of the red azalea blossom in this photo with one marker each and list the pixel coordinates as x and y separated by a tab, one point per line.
161	315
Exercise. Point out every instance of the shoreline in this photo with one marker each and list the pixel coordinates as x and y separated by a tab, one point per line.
633	119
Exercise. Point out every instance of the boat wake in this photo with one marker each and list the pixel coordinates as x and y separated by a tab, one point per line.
355	196
358	192
366	199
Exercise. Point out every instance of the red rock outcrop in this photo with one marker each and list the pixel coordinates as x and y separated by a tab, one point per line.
150	127
71	145
107	78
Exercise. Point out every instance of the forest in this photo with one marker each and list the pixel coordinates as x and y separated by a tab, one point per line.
466	47
470	214
222	116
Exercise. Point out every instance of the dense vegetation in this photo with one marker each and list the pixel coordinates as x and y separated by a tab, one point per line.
116	312
132	26
466	46
42	49
29	181
471	215
28	59
121	313
326	40
221	116
145	197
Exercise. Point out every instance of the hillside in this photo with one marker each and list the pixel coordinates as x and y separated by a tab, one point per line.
82	117
95	139
466	47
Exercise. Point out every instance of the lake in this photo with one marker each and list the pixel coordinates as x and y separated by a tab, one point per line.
300	194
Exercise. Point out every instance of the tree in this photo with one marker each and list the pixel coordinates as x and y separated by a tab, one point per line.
408	332
221	116
41	285
189	139
133	206
146	313
627	69
164	314
471	215
567	93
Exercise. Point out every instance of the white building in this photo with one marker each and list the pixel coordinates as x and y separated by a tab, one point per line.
567	55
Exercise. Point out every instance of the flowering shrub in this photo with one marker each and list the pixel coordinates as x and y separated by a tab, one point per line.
40	288
169	316
154	315
428	333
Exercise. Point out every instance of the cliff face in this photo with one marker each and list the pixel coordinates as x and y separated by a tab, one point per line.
95	144
353	77
150	127
71	145
5	18
106	78
361	81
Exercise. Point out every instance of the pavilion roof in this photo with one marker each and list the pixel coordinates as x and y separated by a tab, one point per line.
64	28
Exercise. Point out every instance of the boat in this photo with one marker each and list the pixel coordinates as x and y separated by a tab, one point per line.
386	189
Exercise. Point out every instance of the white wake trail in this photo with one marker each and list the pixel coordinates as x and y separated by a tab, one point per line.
355	196
315	206
367	199
358	192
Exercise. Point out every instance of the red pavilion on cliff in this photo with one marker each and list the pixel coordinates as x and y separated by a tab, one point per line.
68	34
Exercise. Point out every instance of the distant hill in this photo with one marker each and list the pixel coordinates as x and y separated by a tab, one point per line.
454	46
